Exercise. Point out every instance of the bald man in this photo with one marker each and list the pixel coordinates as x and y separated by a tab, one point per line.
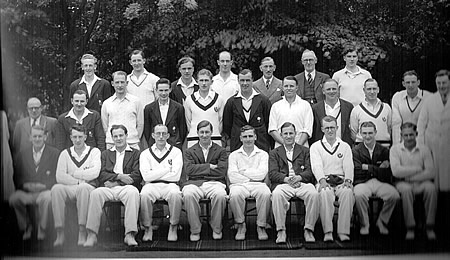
22	131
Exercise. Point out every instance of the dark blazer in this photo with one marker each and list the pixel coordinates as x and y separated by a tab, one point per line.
278	165
319	79
93	124
101	91
319	112
26	171
130	167
275	91
196	169
234	119
361	156
22	131
177	94
175	122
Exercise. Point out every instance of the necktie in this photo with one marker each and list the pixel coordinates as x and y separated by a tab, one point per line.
268	83
310	80
34	122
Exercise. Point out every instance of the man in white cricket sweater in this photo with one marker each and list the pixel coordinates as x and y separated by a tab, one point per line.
247	171
77	170
332	165
160	167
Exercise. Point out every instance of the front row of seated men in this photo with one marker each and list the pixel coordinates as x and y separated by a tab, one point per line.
91	178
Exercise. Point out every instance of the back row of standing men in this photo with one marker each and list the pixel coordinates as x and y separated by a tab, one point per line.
265	104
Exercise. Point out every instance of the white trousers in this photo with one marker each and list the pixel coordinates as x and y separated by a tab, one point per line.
385	191
346	202
169	192
213	190
280	203
64	193
20	199
258	190
408	191
128	195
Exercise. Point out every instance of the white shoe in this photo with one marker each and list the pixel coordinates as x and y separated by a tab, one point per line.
173	235
242	229
41	234
217	236
91	240
82	234
431	235
343	237
129	239
281	237
328	237
148	234
410	235
309	236
27	233
60	237
194	237
364	230
262	234
382	228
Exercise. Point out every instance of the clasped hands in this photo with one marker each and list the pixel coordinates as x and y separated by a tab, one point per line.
294	181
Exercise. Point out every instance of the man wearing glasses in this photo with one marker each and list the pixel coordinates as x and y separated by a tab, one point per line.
310	81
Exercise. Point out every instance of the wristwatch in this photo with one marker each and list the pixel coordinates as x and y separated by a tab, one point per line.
348	180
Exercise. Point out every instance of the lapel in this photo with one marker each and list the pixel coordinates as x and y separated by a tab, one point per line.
157	112
255	104
344	115
366	154
95	87
282	154
170	112
112	158
296	151
261	86
273	87
301	84
198	152
238	104
126	159
87	119
376	153
29	160
27	126
321	110
211	152
317	80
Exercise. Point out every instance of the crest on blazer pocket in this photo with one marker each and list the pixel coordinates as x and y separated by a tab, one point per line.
47	172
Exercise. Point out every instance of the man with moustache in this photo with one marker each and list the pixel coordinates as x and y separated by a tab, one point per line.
167	112
186	84
123	108
294	109
269	85
97	89
310	81
79	114
334	106
226	82
248	107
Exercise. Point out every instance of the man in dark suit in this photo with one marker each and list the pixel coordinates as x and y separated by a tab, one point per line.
98	89
167	112
205	171
22	130
119	180
34	176
268	85
248	107
79	114
332	106
291	176
310	81
186	84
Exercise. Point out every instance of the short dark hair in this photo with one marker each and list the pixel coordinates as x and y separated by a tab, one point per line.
80	92
441	73
290	78
115	127
162	81
78	127
369	80
328	119
410	73
368	124
159	125
285	125
245	72
184	60
408	125
137	51
205	72
349	49
328	80
39	127
247	127
117	73
204	123
89	56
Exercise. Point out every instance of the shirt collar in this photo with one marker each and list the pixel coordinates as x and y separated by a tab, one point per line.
83	79
347	71
210	94
325	141
254	93
207	148
167	104
230	78
292	150
143	73
313	74
113	149
255	151
86	150
193	82
415	149
71	114
337	105
419	94
127	96
155	149
376	105
38	120
40	150
270	80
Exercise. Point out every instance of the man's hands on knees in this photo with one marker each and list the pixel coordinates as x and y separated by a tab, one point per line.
323	184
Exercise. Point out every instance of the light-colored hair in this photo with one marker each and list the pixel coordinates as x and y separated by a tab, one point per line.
89	57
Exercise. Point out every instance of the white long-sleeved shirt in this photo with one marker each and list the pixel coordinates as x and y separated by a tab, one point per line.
351	84
244	168
416	164
327	159
227	88
68	173
168	169
144	88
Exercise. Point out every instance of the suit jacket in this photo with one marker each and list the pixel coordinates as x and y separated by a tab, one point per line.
275	91
175	122
130	167
319	79
361	156
93	124
279	169
234	119
25	169
319	112
196	168
22	131
177	94
101	91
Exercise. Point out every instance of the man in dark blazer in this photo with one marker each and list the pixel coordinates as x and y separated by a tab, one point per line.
247	107
268	85
22	130
79	114
34	176
332	106
167	112
98	89
186	84
310	81
118	181
291	176
206	165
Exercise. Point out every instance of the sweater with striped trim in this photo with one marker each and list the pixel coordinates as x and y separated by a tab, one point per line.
87	170
381	117
166	168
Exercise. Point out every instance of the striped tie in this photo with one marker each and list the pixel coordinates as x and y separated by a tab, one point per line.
268	83
310	80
